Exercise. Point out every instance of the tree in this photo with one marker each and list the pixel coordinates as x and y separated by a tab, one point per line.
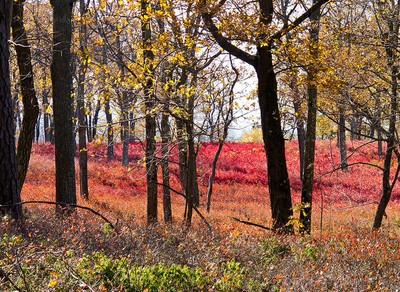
151	127
227	119
30	102
262	61
309	151
390	13
61	76
9	193
80	102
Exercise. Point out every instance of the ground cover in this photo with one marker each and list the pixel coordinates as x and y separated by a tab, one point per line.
84	253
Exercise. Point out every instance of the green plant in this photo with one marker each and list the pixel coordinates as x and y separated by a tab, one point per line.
232	276
273	249
310	252
120	274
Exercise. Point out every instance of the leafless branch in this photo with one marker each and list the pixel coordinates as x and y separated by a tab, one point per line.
253	224
62	204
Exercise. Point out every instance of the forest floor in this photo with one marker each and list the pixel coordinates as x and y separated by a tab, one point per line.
83	252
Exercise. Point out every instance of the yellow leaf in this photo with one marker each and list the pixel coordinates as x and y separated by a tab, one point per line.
52	283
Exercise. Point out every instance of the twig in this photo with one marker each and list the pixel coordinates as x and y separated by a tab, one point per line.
253	224
72	272
62	204
359	205
5	278
194	207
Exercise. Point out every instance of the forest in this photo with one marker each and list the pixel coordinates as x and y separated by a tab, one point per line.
197	145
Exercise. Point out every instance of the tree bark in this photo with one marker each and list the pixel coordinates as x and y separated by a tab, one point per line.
83	158
8	167
29	100
391	44
342	139
47	120
165	141
274	143
61	76
150	120
301	134
309	152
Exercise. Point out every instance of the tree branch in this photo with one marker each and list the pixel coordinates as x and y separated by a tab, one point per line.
62	204
194	207
222	41
253	224
288	27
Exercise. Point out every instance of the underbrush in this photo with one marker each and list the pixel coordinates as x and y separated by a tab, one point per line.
84	254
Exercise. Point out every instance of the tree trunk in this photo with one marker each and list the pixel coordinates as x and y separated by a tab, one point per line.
107	111
192	155
150	120
31	108
342	139
191	186
123	104
165	140
61	76
301	134
125	140
309	152
83	158
274	143
227	119
37	130
8	167
354	133
182	153
391	52
110	130
96	118
132	124
89	122
47	120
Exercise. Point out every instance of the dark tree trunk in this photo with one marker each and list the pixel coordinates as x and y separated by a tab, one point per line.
96	118
192	189
124	106
89	122
274	143
301	134
37	131
9	193
83	158
125	139
61	76
342	139
47	120
391	52
165	140
309	153
31	108
182	153
107	111
150	120
132	124
354	134
110	130
192	155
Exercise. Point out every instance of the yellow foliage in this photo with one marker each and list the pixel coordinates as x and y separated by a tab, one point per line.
252	135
